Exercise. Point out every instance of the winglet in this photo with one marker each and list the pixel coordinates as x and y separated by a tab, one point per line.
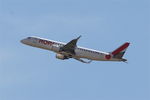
79	37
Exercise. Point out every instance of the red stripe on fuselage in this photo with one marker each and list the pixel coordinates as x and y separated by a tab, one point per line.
45	42
124	46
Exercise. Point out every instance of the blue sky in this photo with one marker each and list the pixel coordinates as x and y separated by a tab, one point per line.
28	73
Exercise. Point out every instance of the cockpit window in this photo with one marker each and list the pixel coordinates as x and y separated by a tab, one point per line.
29	38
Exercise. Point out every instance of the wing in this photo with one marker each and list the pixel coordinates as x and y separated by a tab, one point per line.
70	47
69	50
81	60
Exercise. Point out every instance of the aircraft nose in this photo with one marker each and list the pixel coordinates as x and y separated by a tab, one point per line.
22	41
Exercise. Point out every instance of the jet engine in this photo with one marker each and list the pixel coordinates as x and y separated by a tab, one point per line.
60	56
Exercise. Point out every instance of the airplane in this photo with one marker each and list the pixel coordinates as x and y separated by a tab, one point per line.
71	50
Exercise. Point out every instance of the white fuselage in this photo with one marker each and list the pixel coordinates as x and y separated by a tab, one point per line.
55	46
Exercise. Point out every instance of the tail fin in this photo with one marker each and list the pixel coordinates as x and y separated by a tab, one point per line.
119	52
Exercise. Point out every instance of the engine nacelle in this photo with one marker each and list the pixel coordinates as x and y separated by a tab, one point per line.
60	56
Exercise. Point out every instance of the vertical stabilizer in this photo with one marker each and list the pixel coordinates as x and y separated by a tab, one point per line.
119	52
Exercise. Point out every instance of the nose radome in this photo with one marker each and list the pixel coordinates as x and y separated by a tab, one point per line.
22	41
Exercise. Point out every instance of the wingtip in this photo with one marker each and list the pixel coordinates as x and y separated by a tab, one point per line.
79	37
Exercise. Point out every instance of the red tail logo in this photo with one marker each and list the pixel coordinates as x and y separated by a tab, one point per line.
121	48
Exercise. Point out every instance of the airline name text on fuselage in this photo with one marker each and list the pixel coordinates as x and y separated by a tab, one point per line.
45	42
